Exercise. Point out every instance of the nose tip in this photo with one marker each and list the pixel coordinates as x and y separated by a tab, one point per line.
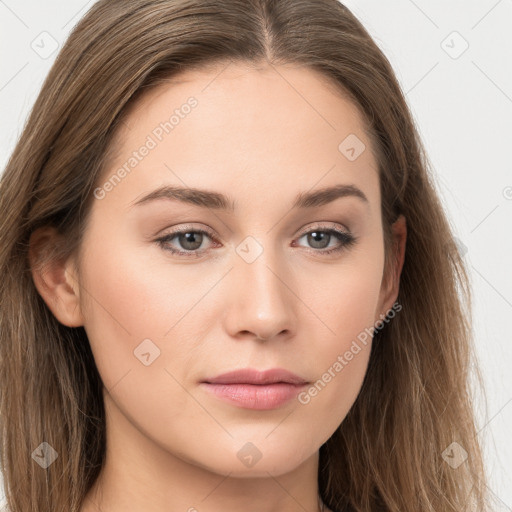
262	306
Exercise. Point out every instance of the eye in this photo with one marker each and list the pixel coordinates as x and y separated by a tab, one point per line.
191	240
321	236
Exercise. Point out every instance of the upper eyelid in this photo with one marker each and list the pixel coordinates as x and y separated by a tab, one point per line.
319	225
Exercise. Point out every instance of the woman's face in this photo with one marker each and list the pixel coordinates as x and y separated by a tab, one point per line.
257	290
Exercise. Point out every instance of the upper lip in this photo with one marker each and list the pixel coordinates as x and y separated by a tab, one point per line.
252	376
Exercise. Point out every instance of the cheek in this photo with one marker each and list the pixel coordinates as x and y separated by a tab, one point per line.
139	332
139	303
126	303
347	305
345	298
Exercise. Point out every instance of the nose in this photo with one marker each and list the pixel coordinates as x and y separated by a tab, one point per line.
262	304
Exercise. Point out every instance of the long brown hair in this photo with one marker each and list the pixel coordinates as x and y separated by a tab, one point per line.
389	453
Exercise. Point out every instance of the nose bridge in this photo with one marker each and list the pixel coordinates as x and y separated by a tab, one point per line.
263	300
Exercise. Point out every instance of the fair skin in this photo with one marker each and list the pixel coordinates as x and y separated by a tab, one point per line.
260	137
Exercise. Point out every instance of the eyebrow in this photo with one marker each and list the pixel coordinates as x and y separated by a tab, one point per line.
218	201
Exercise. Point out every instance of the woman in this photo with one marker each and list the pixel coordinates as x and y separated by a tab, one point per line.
227	280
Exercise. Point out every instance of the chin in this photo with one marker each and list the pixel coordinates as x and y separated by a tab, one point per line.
259	458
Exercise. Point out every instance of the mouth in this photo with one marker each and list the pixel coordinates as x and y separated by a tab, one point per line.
253	389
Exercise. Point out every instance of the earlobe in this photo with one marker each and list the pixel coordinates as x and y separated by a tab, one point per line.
54	276
391	281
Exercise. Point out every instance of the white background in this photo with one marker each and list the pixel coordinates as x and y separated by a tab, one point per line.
462	103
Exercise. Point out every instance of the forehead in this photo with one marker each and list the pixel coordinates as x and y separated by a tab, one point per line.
228	86
235	125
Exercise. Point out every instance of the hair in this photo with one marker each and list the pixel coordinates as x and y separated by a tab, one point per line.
416	398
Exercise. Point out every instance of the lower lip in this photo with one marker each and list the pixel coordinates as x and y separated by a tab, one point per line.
255	396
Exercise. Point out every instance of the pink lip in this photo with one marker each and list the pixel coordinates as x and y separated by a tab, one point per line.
252	389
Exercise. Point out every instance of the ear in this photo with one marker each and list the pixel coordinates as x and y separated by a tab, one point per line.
54	278
391	278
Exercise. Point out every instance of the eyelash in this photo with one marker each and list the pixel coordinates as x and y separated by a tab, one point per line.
346	239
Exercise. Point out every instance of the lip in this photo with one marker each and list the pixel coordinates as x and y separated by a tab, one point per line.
252	376
253	389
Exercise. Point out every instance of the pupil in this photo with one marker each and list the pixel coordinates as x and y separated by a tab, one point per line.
190	239
317	237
